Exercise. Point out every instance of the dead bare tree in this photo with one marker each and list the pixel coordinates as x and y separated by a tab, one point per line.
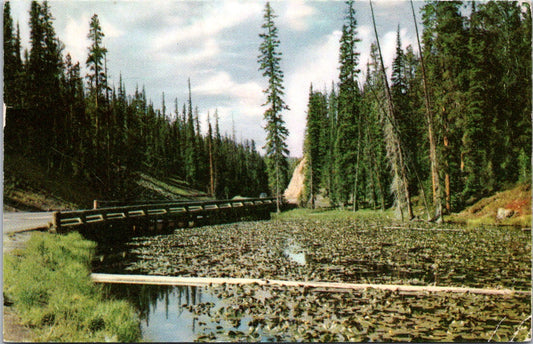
394	146
437	200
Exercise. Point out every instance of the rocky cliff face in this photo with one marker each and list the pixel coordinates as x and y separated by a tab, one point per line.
296	185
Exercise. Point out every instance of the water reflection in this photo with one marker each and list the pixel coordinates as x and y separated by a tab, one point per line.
167	313
295	253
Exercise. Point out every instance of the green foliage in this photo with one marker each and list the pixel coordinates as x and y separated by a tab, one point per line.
478	66
348	138
50	286
12	60
316	145
472	72
332	215
276	146
374	148
77	126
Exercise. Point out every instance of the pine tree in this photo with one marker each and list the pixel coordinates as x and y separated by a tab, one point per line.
507	26
191	167
376	132
97	103
12	61
474	160
445	48
43	85
406	118
329	140
276	147
348	139
211	154
75	134
95	61
314	148
13	86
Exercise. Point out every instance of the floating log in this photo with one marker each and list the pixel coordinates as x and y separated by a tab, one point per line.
206	281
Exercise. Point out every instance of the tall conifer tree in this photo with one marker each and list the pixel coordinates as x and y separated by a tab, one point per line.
347	144
43	86
314	147
276	147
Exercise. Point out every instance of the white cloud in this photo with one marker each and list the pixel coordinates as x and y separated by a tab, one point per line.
221	83
242	109
297	13
208	48
388	46
75	37
319	67
219	16
110	30
75	31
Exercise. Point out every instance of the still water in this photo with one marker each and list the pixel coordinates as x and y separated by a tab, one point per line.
167	313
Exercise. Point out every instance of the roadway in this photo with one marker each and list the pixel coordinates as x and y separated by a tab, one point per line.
16	227
15	222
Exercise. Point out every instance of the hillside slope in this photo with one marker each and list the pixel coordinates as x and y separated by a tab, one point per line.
508	207
29	187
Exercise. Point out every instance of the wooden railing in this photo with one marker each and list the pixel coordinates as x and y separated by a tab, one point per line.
152	214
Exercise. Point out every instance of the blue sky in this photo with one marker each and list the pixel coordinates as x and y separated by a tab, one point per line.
161	43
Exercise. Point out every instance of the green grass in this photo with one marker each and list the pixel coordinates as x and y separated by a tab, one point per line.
171	188
483	212
51	290
489	220
337	214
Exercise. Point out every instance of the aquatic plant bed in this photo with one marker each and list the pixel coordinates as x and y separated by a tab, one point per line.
233	313
339	251
349	251
304	314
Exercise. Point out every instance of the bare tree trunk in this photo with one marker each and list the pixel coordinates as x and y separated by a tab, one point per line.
356	182
211	171
435	181
312	184
277	187
446	166
395	147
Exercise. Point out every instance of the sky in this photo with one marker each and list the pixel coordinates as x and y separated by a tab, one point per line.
162	43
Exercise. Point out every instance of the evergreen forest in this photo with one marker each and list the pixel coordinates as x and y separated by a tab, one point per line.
450	126
80	125
446	125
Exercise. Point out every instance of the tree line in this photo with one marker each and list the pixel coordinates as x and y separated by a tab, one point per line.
85	127
450	126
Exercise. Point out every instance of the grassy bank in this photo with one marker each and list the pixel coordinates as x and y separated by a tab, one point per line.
51	290
335	214
516	201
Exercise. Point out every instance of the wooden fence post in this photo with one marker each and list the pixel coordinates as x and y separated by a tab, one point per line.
57	221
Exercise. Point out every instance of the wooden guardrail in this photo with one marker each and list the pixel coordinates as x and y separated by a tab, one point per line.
164	214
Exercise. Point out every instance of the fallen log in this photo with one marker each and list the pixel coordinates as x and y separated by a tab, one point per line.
206	281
